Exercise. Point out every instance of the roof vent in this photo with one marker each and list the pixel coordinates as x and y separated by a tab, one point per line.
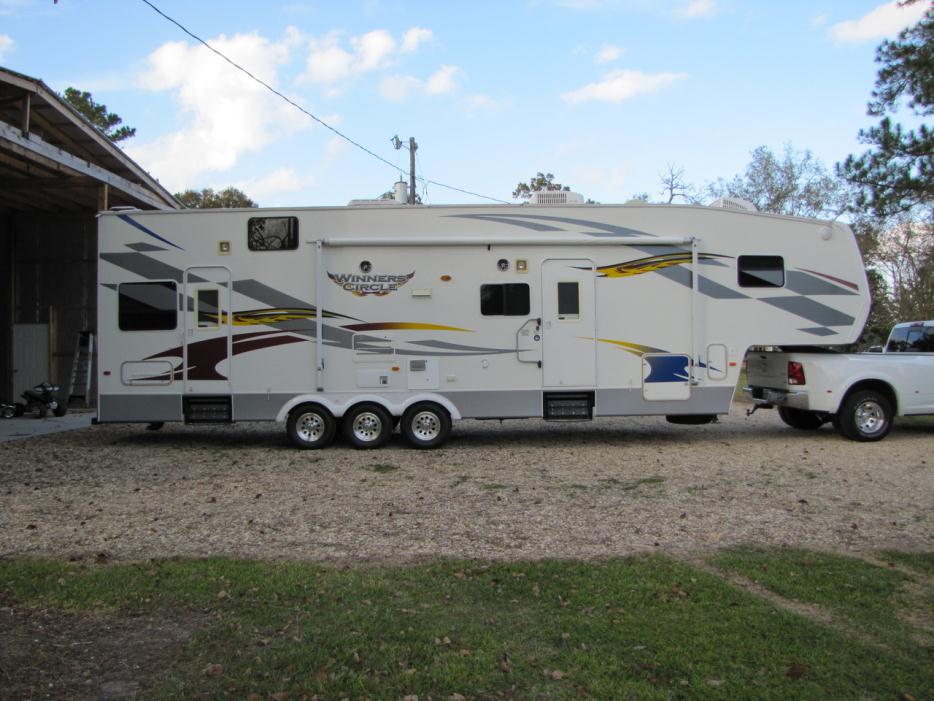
373	203
735	203
556	197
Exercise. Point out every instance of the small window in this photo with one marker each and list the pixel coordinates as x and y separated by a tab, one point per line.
761	271
569	300
272	233
511	299
147	306
208	309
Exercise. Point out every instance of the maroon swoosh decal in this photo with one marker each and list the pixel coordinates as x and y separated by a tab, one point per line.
845	283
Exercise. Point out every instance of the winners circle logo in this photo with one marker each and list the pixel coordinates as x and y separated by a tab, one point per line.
365	285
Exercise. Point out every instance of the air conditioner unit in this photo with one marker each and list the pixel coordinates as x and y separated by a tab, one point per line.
556	197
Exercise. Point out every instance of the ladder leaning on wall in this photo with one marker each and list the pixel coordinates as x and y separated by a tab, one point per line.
79	388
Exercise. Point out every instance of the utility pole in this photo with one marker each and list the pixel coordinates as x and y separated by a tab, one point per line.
413	147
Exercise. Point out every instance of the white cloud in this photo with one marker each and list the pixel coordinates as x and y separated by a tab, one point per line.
478	103
6	45
373	50
327	61
696	9
397	88
330	62
415	36
223	113
442	81
607	54
279	181
819	21
620	85
883	21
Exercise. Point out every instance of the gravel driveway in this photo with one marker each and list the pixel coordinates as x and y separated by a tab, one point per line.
523	489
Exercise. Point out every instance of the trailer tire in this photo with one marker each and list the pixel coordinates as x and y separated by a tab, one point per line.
310	426
865	416
801	419
426	425
367	426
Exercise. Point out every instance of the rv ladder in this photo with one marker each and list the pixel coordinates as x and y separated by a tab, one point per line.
79	386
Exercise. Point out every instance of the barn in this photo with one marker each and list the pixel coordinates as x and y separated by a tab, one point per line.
56	172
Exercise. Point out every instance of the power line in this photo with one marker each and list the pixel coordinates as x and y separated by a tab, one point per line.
299	107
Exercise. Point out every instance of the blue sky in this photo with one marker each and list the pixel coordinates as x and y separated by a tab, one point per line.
602	93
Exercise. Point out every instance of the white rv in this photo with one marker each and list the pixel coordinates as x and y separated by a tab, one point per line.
358	318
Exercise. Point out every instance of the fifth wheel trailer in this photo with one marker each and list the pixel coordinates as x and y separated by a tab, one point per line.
357	318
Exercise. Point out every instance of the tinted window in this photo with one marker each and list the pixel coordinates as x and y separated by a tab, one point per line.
511	299
147	306
911	339
569	300
208	308
761	271
272	233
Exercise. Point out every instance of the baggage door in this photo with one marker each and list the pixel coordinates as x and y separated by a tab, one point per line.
569	346
207	346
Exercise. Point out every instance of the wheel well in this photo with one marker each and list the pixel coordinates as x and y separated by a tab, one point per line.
883	388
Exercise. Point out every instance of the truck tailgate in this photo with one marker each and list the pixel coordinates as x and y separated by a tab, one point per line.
767	370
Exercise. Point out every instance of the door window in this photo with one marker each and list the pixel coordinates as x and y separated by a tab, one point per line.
569	301
209	315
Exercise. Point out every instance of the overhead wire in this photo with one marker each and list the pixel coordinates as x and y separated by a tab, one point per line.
302	109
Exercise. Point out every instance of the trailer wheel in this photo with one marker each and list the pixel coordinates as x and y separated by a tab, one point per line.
426	425
367	426
801	419
865	416
311	426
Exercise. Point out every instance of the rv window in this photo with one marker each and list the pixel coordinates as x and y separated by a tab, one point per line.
208	309
761	271
272	233
511	299
569	300
147	306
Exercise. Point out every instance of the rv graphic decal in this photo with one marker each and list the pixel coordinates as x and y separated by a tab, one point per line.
668	368
652	263
365	285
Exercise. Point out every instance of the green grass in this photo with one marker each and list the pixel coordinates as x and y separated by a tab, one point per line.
646	628
920	562
871	599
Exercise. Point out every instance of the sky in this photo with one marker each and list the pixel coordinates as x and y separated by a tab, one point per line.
604	94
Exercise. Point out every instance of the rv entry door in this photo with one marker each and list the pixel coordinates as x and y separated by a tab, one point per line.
569	352
208	324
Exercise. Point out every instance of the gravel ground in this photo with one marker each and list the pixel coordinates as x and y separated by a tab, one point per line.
523	489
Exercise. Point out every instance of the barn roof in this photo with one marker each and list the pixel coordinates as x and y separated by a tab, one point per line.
52	159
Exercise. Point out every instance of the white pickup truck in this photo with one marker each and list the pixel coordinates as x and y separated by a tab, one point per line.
860	393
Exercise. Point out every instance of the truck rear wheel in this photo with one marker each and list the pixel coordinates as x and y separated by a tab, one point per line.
311	426
367	426
801	419
865	416
426	425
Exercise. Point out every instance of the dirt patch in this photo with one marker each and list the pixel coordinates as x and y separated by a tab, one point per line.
523	489
55	655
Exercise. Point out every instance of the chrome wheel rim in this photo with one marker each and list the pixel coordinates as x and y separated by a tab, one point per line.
367	427
310	427
870	418
426	426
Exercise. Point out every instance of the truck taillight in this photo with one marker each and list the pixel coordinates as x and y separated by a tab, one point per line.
795	373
